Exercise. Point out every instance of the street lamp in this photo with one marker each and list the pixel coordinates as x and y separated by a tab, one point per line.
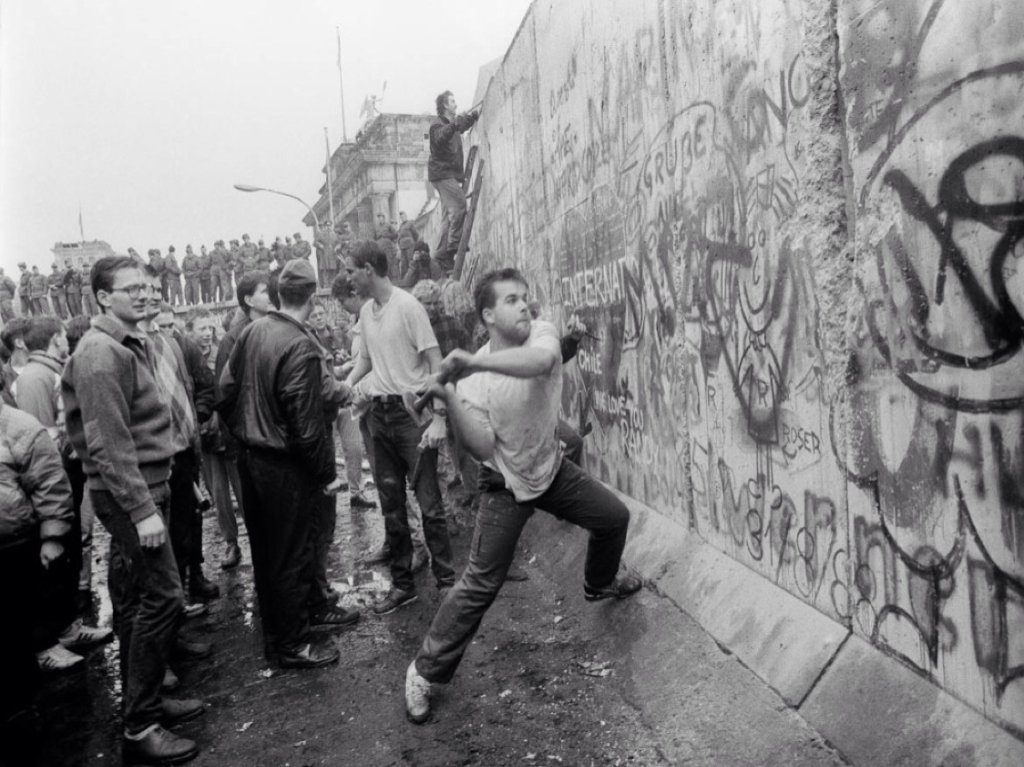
251	188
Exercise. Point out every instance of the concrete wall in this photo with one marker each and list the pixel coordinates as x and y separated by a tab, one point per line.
794	228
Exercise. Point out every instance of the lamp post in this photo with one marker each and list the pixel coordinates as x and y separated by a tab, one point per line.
251	188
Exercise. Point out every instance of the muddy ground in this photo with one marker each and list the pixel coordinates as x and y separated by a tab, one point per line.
549	680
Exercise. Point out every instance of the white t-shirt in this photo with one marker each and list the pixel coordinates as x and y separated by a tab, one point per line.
395	336
523	414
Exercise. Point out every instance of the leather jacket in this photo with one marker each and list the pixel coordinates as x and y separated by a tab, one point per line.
270	395
446	147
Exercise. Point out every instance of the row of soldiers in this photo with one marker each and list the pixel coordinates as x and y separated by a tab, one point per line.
208	276
64	292
211	276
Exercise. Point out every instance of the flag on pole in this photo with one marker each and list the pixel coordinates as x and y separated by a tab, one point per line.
81	229
341	87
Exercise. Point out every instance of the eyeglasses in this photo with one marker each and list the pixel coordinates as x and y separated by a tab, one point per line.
166	325
134	291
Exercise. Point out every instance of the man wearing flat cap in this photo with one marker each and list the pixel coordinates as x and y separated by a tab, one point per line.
271	396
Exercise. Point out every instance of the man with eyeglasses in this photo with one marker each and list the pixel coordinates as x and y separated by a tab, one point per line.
119	424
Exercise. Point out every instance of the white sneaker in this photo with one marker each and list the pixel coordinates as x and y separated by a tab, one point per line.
57	658
79	635
417	696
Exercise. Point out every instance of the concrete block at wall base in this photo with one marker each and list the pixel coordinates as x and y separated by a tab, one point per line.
875	710
779	637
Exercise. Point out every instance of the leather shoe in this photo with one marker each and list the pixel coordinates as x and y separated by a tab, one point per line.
178	711
334	617
158	747
380	557
232	556
308	656
187	649
201	587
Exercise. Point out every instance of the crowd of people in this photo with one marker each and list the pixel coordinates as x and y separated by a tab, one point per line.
127	417
143	422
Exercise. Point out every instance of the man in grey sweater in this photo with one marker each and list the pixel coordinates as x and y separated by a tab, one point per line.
120	426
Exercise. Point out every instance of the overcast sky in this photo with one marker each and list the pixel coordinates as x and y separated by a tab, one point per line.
145	112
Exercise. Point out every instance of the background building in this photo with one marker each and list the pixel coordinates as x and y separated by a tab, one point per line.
88	251
383	171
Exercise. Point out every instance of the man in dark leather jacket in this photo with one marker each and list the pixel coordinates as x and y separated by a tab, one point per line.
271	396
445	171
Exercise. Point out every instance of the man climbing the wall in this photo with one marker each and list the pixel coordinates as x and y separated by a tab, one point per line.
505	411
445	171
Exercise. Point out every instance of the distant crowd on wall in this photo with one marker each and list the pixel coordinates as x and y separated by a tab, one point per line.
212	276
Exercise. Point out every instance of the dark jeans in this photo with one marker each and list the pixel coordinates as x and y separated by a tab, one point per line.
325	519
146	594
395	440
573	496
56	592
19	674
186	523
279	501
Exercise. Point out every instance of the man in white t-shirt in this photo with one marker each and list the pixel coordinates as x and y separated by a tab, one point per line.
402	353
506	411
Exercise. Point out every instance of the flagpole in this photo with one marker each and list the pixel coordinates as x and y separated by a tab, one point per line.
81	229
330	183
341	89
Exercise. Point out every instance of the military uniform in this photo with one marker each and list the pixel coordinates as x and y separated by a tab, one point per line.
55	282
326	260
218	265
263	257
191	269
8	290
73	290
88	299
25	291
38	288
301	248
236	266
205	275
171	281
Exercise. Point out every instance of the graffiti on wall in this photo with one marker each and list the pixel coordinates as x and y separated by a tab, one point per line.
935	403
648	175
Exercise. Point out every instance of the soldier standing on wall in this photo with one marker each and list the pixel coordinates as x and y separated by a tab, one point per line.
25	289
8	289
55	281
72	289
326	262
88	297
205	275
190	268
170	281
37	292
219	279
